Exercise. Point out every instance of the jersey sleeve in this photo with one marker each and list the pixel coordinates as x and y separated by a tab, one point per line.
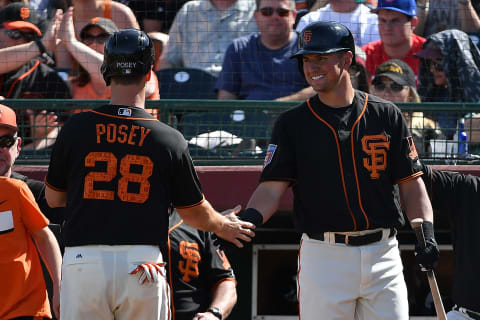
404	157
32	217
219	267
229	77
187	190
279	164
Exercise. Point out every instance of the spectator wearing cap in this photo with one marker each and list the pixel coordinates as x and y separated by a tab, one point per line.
85	10
354	14
396	22
394	81
25	40
23	292
88	83
438	15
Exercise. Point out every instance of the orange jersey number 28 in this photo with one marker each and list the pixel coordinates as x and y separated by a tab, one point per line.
126	177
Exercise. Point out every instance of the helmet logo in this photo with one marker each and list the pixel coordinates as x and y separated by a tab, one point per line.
307	36
24	13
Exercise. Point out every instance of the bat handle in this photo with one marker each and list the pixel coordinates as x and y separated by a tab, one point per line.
417	227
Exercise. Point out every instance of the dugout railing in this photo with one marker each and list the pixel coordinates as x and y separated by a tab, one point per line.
226	132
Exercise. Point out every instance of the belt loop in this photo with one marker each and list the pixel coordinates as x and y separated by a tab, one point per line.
346	239
327	236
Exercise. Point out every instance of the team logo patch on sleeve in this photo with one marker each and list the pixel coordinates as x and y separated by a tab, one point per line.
270	152
413	154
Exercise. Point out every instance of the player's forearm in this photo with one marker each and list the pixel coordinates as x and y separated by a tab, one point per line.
202	217
415	201
50	253
266	198
224	297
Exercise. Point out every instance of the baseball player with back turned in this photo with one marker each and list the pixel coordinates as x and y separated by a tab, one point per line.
343	151
117	170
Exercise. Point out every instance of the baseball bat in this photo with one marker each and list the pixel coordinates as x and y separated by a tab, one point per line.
437	299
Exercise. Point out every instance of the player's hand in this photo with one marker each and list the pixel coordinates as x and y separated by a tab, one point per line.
204	316
427	257
149	272
233	211
51	37
236	230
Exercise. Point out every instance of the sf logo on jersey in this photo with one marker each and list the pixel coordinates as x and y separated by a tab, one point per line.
376	147
191	255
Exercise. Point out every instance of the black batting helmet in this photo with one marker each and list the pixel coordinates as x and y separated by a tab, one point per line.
323	37
128	52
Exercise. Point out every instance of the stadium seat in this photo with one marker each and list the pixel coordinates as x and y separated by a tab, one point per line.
186	83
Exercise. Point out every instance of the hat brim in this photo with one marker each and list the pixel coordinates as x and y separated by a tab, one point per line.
376	10
429	53
393	77
14	25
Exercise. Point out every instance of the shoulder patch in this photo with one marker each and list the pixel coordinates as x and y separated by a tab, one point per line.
270	152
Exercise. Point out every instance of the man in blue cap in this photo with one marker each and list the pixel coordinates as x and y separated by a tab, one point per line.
396	21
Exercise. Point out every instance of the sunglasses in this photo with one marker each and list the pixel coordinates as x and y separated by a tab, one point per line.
436	65
16	34
393	86
268	11
7	141
100	38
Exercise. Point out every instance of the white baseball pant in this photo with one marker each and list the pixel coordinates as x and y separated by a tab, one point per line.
337	281
96	284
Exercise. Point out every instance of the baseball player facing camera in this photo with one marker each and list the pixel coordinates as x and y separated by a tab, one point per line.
343	151
117	169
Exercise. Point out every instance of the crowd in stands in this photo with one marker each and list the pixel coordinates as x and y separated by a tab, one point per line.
53	49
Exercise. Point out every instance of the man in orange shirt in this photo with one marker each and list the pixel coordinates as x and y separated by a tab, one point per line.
396	21
23	292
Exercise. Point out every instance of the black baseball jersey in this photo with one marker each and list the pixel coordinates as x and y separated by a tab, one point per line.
343	163
458	196
121	169
196	264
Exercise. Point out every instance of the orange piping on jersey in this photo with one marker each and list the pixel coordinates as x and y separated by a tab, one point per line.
119	117
107	9
413	176
355	165
51	187
22	77
339	162
298	277
193	205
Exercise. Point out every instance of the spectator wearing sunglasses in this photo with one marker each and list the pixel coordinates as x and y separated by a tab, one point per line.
202	31
394	81
25	42
449	72
258	66
22	221
86	79
396	22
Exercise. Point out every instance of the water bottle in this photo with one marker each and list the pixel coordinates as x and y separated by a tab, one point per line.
462	138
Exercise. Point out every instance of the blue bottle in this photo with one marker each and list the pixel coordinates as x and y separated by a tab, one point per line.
462	138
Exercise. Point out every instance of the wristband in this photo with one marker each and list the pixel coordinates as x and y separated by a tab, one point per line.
216	312
43	51
252	215
428	232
